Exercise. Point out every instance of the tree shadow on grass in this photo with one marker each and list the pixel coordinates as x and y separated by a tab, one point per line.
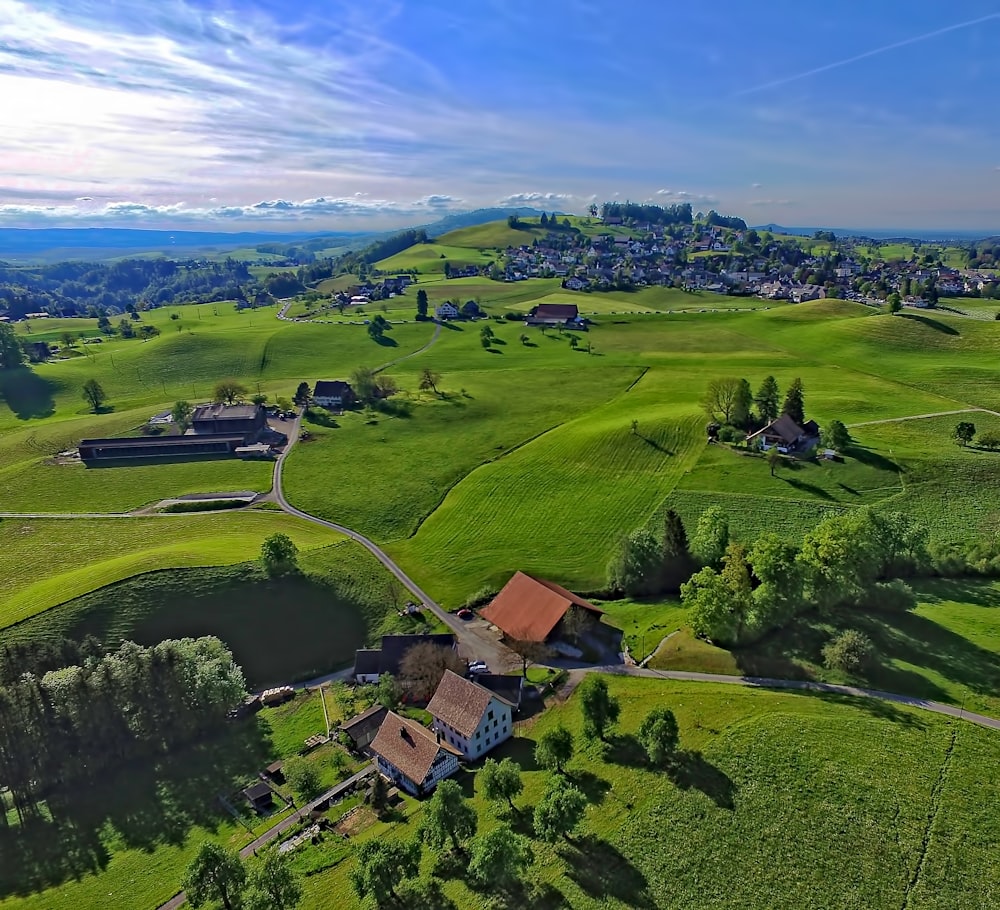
450	326
935	324
386	341
805	487
626	750
691	770
601	870
959	590
424	895
27	394
493	351
652	442
593	787
520	894
873	459
519	749
148	803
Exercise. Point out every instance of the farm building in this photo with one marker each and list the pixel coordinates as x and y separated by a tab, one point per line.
469	717
509	688
248	419
361	728
411	756
564	314
785	434
371	663
447	310
533	609
259	796
333	393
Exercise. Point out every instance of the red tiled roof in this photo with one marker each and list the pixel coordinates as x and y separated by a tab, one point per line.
460	703
528	608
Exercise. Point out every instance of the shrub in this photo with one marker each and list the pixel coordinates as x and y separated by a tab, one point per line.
483	596
850	651
891	595
731	434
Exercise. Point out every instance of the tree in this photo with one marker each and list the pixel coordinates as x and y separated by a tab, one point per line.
600	708
836	436
544	220
259	399
711	537
229	391
148	331
499	858
893	303
530	652
722	398
486	336
774	459
302	394
658	734
303	777
273	884
377	327
125	329
364	381
794	405
741	415
386	385
382	865
421	304
279	554
104	324
635	568
429	380
574	342
501	781
448	816
963	434
68	339
850	651
524	339
559	811
215	874
778	575
677	564
423	665
554	748
11	355
380	793
94	394
181	413
387	691
989	440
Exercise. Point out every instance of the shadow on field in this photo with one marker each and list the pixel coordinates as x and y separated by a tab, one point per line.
626	750
386	341
450	326
601	870
959	590
27	394
652	442
806	487
520	750
424	895
593	787
873	459
691	770
942	327
148	803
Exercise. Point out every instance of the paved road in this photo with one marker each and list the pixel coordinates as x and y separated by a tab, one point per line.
871	423
763	682
273	833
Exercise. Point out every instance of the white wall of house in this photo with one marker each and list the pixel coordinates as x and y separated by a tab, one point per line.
328	401
495	726
445	765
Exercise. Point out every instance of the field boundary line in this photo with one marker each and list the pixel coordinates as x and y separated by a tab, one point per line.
872	423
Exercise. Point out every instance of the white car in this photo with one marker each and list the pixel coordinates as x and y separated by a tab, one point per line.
478	666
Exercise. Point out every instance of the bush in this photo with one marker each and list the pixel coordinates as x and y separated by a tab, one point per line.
731	434
483	596
894	595
850	651
320	416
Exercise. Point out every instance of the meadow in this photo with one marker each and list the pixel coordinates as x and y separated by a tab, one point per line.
758	813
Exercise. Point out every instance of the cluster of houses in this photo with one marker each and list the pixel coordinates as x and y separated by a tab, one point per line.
470	715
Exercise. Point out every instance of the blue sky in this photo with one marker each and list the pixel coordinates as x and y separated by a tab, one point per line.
367	114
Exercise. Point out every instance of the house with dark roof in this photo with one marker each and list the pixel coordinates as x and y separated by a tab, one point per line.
785	434
259	796
362	728
245	419
564	314
371	663
333	393
533	609
509	688
411	756
470	717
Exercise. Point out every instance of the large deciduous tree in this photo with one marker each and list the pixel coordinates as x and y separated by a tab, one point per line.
429	380
229	391
279	554
600	708
94	394
501	781
499	858
722	398
181	413
424	664
635	567
364	381
10	350
215	874
273	885
382	866
711	537
835	435
303	777
560	810
964	432
448	818
554	748
659	735
302	394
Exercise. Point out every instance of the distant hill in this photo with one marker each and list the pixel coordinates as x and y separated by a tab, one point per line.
478	216
897	234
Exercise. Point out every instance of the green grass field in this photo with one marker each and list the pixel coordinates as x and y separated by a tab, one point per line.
781	801
49	561
298	626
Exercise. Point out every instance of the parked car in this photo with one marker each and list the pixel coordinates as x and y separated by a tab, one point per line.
477	667
464	614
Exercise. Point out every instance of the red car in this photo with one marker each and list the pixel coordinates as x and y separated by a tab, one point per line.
464	614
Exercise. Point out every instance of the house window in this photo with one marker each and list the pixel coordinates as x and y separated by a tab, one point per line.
490	715
504	728
479	733
487	740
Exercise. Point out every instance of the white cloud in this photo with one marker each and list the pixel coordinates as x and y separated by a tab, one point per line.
763	202
534	198
684	196
756	186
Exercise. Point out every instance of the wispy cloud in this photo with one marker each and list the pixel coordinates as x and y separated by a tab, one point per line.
836	64
684	196
534	198
770	202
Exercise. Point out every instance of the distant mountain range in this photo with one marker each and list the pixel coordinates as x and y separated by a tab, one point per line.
899	234
105	243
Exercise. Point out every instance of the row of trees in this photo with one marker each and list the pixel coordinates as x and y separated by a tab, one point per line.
731	401
76	721
852	560
219	876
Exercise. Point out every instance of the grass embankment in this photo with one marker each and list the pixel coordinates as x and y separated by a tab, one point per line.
780	801
49	561
296	626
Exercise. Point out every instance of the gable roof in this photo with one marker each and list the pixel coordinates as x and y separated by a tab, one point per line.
408	746
366	720
460	703
218	411
367	661
556	311
508	688
784	428
331	388
529	608
395	646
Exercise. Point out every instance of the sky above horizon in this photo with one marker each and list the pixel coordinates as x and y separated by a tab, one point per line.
372	114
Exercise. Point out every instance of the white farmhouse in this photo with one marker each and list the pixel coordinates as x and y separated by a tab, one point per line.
469	717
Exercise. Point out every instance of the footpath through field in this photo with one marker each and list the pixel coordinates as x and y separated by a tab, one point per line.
273	833
872	423
800	685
